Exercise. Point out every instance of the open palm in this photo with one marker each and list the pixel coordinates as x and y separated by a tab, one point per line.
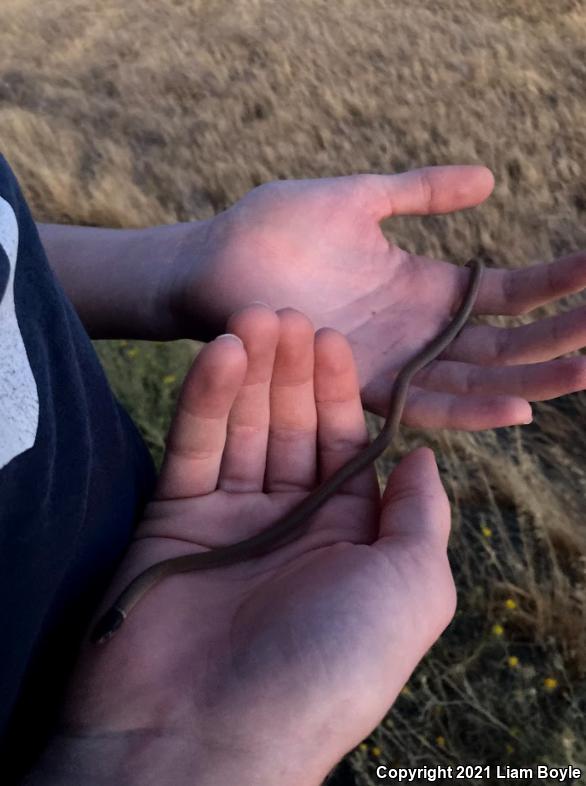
304	649
317	245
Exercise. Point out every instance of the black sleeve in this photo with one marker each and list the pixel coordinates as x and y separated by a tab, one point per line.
74	477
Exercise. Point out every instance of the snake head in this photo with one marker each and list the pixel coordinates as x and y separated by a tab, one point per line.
107	625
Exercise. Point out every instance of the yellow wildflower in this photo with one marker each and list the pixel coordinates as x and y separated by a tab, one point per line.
168	379
132	352
363	747
376	751
550	683
440	741
487	532
497	630
513	661
510	604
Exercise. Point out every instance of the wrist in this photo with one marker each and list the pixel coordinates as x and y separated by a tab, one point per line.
120	281
184	292
144	756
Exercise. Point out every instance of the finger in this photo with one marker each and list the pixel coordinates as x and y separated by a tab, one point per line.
519	291
534	381
196	439
436	189
245	454
291	455
342	431
544	339
431	409
415	506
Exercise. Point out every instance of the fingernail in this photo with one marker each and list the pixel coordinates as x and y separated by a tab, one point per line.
259	303
230	335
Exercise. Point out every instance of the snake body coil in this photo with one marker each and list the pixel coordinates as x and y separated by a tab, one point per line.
296	522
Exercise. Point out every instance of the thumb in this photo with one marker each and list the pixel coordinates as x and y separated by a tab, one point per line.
415	506
414	530
432	189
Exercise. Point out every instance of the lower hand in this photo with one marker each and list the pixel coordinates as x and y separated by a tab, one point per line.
269	670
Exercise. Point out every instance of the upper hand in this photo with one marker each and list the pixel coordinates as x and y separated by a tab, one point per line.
316	245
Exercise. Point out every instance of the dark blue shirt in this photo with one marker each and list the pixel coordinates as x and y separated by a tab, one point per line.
74	477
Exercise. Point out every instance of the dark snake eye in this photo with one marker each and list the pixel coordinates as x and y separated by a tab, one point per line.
107	625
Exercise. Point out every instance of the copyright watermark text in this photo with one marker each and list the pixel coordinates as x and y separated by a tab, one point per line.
486	772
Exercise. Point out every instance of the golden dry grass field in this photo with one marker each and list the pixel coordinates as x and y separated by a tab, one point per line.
133	113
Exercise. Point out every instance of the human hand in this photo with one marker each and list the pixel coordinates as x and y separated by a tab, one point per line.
316	245
272	669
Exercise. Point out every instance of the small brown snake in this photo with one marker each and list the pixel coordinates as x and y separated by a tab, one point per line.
296	522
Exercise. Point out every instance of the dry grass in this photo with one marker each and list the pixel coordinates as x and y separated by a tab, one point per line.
129	114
